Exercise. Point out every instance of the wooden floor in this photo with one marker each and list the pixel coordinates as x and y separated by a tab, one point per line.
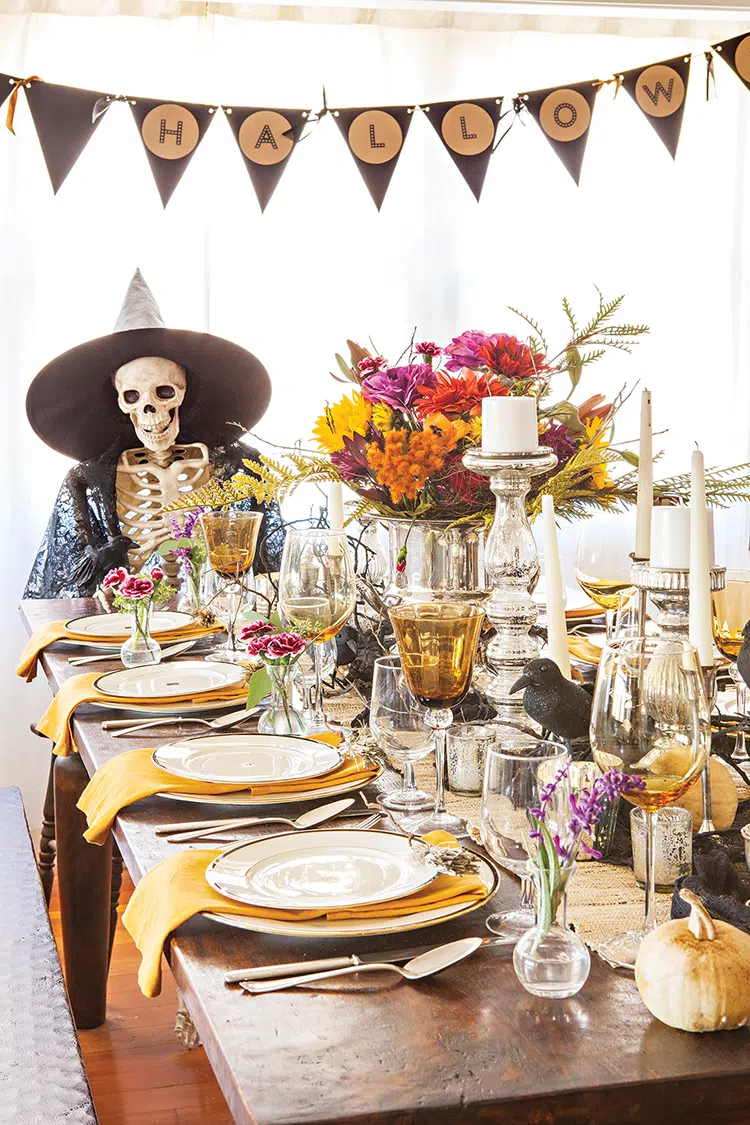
139	1073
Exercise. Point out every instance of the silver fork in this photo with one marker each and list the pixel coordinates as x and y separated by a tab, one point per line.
193	837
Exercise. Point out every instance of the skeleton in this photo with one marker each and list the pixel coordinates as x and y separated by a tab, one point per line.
151	391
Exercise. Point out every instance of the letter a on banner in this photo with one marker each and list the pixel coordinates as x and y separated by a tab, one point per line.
659	91
266	138
736	53
170	133
564	116
65	122
467	129
375	138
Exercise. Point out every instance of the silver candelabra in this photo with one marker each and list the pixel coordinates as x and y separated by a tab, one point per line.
512	563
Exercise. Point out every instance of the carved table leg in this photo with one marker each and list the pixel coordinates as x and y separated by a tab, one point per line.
47	840
114	897
84	874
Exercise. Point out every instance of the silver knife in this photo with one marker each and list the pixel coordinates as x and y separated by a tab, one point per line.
272	972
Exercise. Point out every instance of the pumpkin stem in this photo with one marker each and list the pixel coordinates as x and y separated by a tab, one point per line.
700	922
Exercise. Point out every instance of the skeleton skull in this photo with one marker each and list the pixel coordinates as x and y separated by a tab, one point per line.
151	390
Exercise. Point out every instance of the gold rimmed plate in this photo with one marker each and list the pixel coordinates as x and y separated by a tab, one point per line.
247	759
316	792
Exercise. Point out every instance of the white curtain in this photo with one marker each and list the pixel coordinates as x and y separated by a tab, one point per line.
322	265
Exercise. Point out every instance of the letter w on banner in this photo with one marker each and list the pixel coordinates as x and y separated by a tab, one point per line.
375	138
564	114
659	91
170	133
266	139
467	129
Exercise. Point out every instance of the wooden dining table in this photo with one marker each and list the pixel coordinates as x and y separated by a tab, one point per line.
468	1046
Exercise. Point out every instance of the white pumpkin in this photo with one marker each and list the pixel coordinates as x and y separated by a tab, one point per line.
694	973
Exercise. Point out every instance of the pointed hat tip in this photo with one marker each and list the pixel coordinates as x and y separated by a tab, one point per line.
139	309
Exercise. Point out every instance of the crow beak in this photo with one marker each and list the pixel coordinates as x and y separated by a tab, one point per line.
520	684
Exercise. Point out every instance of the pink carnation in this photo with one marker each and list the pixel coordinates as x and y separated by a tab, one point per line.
115	577
284	645
256	629
137	588
370	364
428	349
157	574
258	645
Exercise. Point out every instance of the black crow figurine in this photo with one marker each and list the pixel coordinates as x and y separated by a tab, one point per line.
743	656
557	704
95	563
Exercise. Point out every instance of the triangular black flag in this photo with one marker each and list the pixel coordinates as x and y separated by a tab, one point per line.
736	53
564	113
375	138
266	139
659	90
6	86
171	132
65	122
467	129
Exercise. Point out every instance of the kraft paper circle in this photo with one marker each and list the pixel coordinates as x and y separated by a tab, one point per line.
468	129
170	131
742	58
375	136
565	115
262	137
659	91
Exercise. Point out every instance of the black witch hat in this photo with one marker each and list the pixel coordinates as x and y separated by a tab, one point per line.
72	402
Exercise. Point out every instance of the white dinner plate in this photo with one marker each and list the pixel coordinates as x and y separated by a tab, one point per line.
157	681
250	759
248	800
364	927
324	869
103	625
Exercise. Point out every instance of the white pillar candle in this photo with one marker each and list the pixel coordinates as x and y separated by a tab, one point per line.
509	424
701	634
557	632
335	506
645	482
670	538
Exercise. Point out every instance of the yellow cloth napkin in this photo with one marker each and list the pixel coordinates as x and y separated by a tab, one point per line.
584	650
56	720
53	631
131	776
177	888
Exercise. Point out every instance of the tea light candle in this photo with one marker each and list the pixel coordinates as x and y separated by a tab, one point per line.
700	626
509	424
645	482
557	633
670	538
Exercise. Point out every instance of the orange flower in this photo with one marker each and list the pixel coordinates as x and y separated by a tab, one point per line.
407	459
457	394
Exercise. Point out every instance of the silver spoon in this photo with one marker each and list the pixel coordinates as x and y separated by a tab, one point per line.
416	969
308	819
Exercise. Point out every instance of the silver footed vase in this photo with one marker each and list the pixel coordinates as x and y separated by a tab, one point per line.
444	561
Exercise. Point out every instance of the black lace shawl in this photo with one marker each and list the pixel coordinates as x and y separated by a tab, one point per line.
85	514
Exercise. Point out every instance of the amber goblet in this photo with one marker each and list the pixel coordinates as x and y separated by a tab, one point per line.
231	538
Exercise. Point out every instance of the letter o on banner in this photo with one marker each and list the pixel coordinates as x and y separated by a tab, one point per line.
468	129
375	136
659	91
261	137
170	131
565	115
742	59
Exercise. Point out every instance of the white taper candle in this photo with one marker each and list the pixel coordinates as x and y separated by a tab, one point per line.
557	632
335	506
701	633
645	482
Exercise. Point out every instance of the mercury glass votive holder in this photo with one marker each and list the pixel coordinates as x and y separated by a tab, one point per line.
467	746
673	846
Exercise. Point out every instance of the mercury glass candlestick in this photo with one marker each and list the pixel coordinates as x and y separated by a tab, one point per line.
512	564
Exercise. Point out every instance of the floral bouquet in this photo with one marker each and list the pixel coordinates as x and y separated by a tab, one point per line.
188	547
279	653
137	594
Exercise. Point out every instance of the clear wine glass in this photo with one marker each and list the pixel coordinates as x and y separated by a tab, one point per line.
602	560
731	612
317	595
437	643
512	783
400	728
650	719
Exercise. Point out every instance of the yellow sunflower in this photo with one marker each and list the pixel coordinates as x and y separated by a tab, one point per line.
346	418
596	433
382	417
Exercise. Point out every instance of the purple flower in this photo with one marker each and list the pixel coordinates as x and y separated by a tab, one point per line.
464	350
284	645
351	461
586	809
557	438
398	386
184	554
186	529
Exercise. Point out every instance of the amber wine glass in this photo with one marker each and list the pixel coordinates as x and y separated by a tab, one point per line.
437	643
317	595
231	538
602	561
731	612
649	718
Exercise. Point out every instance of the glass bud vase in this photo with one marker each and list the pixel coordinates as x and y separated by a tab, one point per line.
140	647
554	963
281	717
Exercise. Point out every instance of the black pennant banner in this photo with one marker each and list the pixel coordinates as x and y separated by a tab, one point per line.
467	129
736	53
375	138
171	132
65	122
266	139
660	91
564	113
6	86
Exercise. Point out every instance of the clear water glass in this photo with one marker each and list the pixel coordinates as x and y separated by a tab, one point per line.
399	726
